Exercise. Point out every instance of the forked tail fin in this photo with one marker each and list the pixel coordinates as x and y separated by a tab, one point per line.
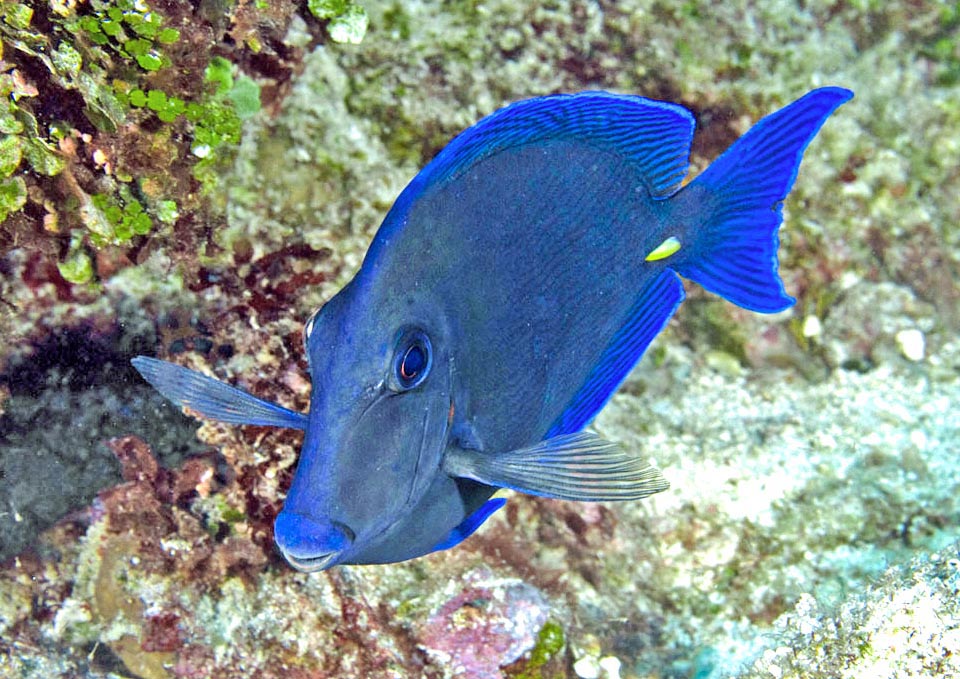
735	254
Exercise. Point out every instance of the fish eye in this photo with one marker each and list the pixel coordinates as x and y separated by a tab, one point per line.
412	359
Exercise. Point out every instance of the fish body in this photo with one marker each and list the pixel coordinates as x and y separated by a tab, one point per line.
510	289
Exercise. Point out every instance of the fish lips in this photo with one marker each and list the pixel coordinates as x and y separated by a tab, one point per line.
310	544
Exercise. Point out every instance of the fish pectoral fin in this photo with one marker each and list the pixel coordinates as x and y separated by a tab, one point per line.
579	466
213	398
469	525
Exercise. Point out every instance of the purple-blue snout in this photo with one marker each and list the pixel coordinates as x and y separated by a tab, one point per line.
310	544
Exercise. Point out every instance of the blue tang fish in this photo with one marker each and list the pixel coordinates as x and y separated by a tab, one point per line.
511	288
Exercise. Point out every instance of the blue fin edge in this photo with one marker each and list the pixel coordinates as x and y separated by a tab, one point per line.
654	135
469	525
742	193
650	313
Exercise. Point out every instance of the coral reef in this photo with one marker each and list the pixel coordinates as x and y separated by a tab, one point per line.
65	397
904	624
484	625
194	179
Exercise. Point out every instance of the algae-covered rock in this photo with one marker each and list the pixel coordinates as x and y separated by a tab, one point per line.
812	521
905	624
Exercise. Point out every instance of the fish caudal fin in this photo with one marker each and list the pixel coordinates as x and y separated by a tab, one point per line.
735	255
580	466
212	398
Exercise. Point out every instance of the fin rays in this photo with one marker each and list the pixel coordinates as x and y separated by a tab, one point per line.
653	308
213	398
654	136
580	466
736	256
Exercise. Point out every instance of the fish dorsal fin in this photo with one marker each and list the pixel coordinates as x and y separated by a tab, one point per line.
650	313
654	135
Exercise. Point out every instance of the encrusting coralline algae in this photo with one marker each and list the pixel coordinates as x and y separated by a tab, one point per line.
811	525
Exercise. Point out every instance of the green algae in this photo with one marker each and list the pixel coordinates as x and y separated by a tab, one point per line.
76	266
13	195
717	564
115	57
347	19
550	642
10	153
218	513
245	95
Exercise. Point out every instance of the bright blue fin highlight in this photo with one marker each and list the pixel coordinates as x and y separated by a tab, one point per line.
469	525
654	135
735	254
580	466
212	398
650	313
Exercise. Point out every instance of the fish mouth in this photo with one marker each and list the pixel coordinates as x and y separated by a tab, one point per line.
310	544
310	564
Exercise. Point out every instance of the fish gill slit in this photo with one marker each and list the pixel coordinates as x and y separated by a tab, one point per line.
416	467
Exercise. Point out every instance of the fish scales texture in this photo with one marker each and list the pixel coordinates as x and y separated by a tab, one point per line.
536	282
512	286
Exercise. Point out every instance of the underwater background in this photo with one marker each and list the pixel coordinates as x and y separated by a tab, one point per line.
193	179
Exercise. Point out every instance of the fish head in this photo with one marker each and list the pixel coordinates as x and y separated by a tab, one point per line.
377	429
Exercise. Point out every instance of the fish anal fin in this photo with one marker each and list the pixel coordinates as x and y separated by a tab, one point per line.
580	466
469	525
649	314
